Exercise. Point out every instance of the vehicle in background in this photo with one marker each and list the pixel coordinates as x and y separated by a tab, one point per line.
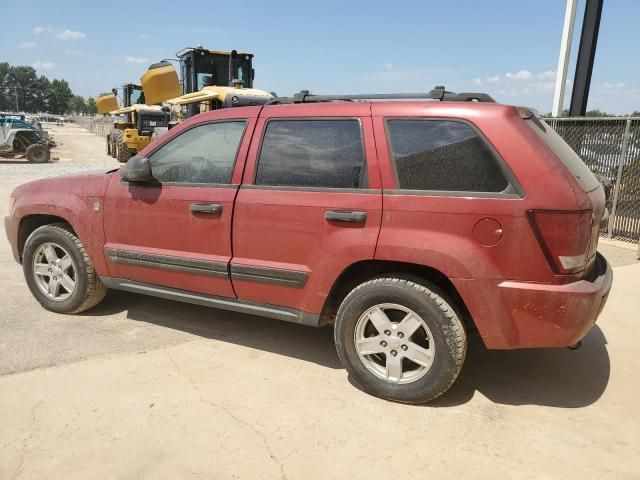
214	79
133	131
19	141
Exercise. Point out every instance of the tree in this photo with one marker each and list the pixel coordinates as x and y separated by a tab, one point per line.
5	96
40	97
92	108
22	83
77	104
61	95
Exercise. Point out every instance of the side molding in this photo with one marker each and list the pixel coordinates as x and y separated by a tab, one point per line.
286	278
167	262
232	304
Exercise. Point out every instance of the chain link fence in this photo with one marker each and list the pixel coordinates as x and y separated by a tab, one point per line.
611	148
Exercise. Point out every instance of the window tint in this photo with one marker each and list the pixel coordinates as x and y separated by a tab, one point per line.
443	155
564	152
312	153
204	154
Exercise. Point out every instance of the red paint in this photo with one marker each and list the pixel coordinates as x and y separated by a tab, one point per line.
487	232
485	246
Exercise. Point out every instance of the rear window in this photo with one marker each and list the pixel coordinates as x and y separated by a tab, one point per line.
443	155
312	154
565	153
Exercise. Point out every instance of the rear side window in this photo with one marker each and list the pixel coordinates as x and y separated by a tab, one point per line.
312	153
443	155
565	153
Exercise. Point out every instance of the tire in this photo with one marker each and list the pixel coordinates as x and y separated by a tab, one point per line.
113	139
38	153
123	151
87	289
441	346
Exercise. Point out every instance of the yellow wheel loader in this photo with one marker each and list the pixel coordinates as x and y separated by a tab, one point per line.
140	117
213	79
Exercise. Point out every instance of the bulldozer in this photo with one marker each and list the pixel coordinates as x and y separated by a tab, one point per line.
141	113
213	79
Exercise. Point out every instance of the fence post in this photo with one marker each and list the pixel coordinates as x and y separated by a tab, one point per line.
616	187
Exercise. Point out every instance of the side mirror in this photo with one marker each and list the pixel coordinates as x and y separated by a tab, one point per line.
137	169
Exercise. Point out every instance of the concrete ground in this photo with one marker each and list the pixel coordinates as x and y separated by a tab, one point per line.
145	388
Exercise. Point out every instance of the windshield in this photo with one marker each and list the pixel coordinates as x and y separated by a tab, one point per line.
565	153
137	96
214	70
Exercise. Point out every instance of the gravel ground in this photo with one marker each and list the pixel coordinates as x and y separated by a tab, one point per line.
146	388
77	150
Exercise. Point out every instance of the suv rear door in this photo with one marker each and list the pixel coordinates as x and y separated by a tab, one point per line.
310	204
177	232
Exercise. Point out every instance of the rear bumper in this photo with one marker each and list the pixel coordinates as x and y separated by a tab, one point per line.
11	229
527	315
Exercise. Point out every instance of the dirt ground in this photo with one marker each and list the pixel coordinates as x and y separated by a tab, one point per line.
146	388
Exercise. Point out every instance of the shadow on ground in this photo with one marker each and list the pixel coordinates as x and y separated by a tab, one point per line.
548	377
289	339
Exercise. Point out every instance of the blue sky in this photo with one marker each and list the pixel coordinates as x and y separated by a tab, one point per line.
507	48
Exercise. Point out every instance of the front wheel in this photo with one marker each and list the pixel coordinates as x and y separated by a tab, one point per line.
59	272
399	339
124	153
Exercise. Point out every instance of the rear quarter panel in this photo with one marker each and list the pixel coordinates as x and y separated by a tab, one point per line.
437	230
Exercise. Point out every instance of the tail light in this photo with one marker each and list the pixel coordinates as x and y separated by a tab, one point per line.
564	237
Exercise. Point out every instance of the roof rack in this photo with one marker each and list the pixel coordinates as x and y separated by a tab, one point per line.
438	93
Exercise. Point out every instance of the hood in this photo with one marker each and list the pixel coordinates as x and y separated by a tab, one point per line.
86	184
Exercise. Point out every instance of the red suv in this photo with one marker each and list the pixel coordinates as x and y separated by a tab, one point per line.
404	223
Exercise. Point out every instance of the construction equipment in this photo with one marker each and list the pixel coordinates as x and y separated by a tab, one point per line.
133	132
213	79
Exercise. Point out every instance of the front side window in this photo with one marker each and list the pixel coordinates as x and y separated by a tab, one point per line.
203	154
443	155
312	153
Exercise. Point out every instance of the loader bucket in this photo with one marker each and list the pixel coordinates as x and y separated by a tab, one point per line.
160	83
106	102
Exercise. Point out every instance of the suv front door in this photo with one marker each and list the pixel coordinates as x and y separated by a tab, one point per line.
310	205
177	232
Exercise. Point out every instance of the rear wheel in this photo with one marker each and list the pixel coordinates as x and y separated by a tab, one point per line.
399	339
123	151
38	153
59	272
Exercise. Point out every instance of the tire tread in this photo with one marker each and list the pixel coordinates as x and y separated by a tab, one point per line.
455	333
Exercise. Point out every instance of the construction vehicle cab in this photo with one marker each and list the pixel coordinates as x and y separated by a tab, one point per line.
133	131
213	79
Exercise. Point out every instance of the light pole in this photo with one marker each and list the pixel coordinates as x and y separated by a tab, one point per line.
563	61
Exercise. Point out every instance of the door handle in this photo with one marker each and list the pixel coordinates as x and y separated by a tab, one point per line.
210	208
351	216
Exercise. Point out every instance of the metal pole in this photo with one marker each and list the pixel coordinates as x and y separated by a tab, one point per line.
586	56
15	88
563	60
616	187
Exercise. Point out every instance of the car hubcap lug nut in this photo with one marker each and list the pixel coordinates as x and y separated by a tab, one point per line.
383	343
393	353
387	332
404	347
400	334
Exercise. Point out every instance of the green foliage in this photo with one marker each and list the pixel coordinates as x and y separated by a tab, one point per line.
22	90
78	104
92	108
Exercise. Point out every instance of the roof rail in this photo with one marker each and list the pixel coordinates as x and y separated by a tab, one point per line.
438	93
